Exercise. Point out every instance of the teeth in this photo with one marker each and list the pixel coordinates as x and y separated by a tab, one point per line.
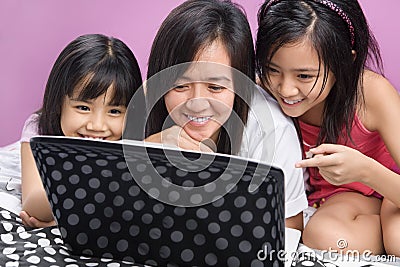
291	102
198	119
93	138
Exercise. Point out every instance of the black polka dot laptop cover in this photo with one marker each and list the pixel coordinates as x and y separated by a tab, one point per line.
161	206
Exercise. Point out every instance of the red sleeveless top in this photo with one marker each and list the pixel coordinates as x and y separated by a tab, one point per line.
367	142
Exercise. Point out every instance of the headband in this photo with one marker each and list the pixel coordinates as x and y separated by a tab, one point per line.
331	6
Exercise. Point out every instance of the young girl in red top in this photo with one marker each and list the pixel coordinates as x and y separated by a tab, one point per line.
314	57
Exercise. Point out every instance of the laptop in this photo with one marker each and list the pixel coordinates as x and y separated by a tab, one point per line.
162	206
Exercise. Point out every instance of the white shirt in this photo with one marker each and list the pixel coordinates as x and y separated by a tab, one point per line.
270	136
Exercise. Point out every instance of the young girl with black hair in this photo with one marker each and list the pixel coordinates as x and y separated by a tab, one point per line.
87	94
316	58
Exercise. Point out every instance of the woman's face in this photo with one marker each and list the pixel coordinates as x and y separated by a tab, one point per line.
296	78
203	99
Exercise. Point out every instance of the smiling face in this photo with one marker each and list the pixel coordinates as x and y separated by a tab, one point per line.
203	100
296	78
95	118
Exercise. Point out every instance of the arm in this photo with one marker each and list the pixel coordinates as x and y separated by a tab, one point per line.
295	222
340	164
383	113
287	153
34	198
278	143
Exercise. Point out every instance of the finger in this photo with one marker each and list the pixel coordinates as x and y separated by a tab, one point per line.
33	222
318	160
327	149
182	140
188	142
24	217
40	224
25	222
205	148
210	145
194	135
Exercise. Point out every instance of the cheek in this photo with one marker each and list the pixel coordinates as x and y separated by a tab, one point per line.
117	126
224	104
64	122
228	100
173	100
272	83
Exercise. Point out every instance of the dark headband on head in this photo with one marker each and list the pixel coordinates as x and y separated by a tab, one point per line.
332	6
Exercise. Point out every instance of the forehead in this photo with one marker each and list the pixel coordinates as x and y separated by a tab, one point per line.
207	72
300	53
83	93
215	52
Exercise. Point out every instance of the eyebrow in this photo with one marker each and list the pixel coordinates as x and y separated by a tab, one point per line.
208	79
80	100
298	69
89	101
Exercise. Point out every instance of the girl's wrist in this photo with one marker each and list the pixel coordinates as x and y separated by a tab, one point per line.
370	172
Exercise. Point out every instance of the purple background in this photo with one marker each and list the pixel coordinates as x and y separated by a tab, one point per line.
33	33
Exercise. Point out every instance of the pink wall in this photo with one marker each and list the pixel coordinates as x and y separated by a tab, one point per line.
32	34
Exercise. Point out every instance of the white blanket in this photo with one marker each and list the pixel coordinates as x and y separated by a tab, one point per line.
10	177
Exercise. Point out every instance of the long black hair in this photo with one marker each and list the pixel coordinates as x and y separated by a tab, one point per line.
91	63
188	29
288	22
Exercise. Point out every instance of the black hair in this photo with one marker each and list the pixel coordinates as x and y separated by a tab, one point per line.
289	22
91	63
188	29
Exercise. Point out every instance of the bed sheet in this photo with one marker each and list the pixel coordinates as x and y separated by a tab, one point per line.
23	246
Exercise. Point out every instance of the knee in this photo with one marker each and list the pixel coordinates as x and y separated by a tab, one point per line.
391	241
390	217
325	233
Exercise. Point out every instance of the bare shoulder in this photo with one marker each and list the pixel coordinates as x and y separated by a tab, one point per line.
380	98
375	84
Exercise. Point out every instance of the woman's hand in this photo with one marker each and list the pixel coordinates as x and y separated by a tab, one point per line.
33	222
338	164
176	136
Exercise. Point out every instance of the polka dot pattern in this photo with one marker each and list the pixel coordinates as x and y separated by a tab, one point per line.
22	246
91	188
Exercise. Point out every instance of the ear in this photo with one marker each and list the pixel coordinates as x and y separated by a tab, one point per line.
354	53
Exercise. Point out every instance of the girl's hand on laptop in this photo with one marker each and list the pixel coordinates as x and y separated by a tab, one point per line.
176	136
33	222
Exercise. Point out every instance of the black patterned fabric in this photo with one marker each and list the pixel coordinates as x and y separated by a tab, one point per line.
20	246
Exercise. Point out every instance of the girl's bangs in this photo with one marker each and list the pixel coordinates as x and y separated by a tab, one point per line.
101	82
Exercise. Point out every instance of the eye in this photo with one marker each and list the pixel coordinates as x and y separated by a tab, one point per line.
83	108
117	110
181	88
304	76
270	70
215	88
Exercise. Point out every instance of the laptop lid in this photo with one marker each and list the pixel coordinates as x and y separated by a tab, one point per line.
160	206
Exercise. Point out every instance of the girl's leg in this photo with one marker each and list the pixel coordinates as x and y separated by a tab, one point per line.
390	218
346	221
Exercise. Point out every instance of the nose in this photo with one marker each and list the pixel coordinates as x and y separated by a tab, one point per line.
198	101
97	122
287	88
